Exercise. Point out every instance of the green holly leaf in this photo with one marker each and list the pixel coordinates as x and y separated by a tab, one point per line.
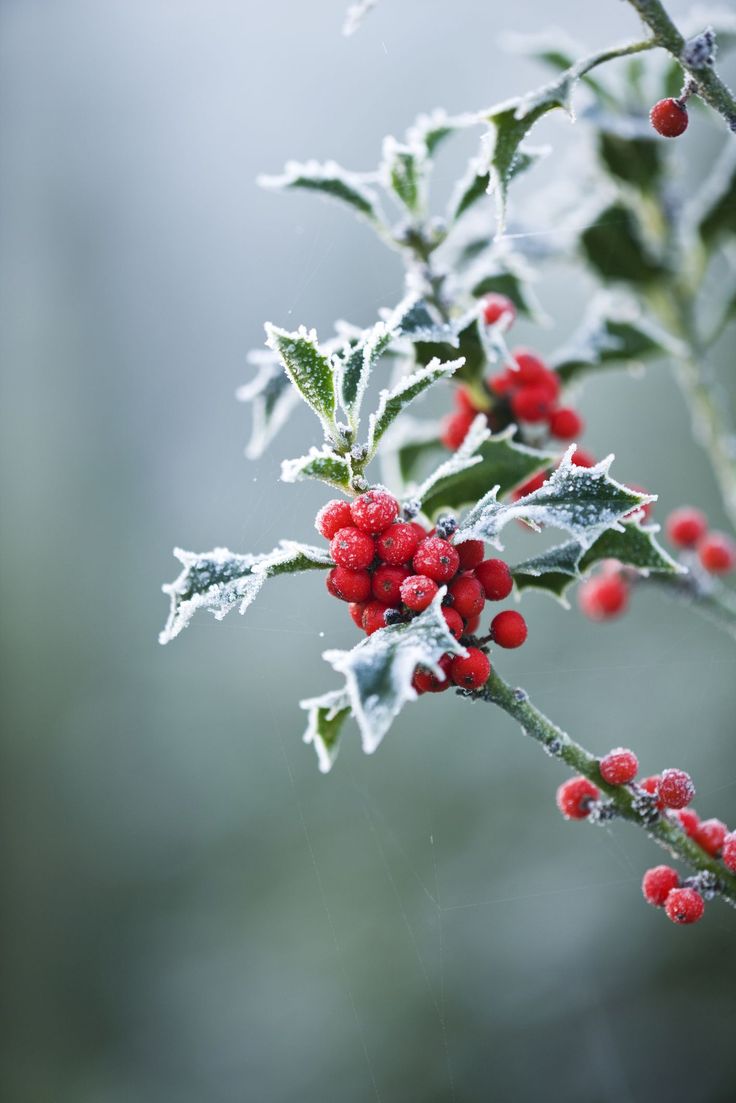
332	180
392	402
220	580
404	172
717	203
354	368
308	368
614	246
468	342
319	463
513	282
631	156
272	399
612	334
327	715
379	670
430	130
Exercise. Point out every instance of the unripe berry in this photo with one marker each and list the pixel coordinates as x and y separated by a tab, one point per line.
334	515
729	851
471	553
386	584
565	424
471	671
689	821
374	511
531	369
658	883
397	543
467	595
684	906
710	834
619	766
436	558
508	629
352	548
374	616
531	404
603	597
669	118
356	609
418	591
495	578
424	681
575	796
717	553
455	428
675	788
495	307
686	526
454	621
349	585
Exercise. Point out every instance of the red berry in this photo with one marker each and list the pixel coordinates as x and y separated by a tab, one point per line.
710	835
531	369
471	625
454	621
398	542
717	553
729	851
352	548
425	681
508	629
349	585
455	428
675	788
651	785
374	511
689	820
575	796
436	558
619	766
686	526
495	578
565	424
532	404
603	597
386	584
374	616
535	483
684	906
658	883
582	459
418	591
356	608
496	307
334	515
471	553
472	671
468	597
504	382
669	118
465	401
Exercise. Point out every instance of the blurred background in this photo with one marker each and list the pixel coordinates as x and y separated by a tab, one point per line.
192	912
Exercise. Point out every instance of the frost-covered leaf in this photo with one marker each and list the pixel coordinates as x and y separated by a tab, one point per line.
327	714
404	170
308	368
414	320
430	130
220	580
631	156
379	670
355	15
612	333
515	286
472	187
354	368
583	501
407	444
392	402
468	343
319	463
332	180
614	246
717	203
272	399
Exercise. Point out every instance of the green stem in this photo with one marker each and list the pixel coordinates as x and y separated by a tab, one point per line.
621	800
580	68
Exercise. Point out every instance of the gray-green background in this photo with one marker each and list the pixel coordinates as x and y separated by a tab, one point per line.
193	913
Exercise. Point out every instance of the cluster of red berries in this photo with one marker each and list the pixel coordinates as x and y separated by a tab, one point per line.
390	570
669	118
668	793
526	392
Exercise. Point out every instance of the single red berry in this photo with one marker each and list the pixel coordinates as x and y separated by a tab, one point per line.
603	597
495	578
470	671
575	796
349	585
658	883
398	542
675	788
374	616
684	906
464	401
471	553
468	597
729	851
619	766
352	548
356	608
436	558
508	629
535	483
689	820
550	382
669	118
497	306
454	621
650	785
565	424
531	369
374	511
455	428
717	553
471	625
425	681
531	404
710	835
386	584
581	458
686	526
503	383
334	515
418	591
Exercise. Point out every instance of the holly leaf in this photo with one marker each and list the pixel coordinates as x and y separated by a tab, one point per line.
430	130
308	368
406	445
614	246
354	368
329	179
220	580
327	714
514	284
631	157
272	399
468	342
378	671
404	171
392	402
612	334
716	205
319	463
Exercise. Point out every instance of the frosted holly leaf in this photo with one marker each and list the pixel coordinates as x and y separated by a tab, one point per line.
355	15
471	188
467	342
332	180
714	209
308	368
413	319
354	368
220	580
403	171
378	671
614	245
583	501
497	461
319	463
272	399
392	402
456	464
613	333
556	569
430	130
327	714
405	446
514	284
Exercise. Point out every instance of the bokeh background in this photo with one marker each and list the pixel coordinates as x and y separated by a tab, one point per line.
192	912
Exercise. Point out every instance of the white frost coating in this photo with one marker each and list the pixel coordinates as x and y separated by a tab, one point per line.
330	178
294	470
405	392
460	460
379	670
266	420
355	15
335	701
437	120
593	338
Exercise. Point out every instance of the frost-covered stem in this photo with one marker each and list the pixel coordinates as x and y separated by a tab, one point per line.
710	86
621	800
587	63
717	604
